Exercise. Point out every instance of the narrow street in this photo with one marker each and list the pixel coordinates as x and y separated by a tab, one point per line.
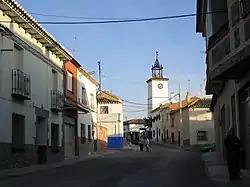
160	167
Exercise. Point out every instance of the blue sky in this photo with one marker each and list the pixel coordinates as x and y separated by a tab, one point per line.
127	50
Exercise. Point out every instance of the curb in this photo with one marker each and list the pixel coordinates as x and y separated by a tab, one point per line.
15	175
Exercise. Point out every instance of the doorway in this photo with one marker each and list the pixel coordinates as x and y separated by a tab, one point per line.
41	131
69	140
244	128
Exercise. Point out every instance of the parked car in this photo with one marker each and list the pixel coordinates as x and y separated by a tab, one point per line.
209	147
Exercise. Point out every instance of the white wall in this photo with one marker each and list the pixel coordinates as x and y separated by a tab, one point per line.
201	120
91	117
184	127
155	125
113	121
155	95
39	67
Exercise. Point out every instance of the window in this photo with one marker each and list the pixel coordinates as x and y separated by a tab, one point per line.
104	110
235	13
18	56
153	133
89	133
83	134
159	132
92	101
167	134
244	8
236	38
18	133
84	97
172	123
55	137
247	29
55	79
70	81
202	135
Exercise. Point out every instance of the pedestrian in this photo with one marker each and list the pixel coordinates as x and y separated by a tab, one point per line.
141	142
233	148
147	144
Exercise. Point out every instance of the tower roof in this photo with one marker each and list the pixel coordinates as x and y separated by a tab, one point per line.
157	64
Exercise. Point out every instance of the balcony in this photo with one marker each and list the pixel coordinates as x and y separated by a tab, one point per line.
83	102
20	85
56	101
230	63
219	35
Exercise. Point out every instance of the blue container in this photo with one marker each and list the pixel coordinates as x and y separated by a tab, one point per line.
115	142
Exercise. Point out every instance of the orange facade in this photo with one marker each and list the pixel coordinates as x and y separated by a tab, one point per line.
71	67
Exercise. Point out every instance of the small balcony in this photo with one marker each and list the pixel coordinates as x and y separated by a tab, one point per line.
219	35
83	102
20	85
56	101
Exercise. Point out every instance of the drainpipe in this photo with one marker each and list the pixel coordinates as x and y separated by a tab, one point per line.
236	108
63	112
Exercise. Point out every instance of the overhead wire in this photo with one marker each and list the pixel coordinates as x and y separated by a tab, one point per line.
117	21
132	111
80	17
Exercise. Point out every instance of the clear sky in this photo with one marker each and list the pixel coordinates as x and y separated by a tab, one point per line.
127	50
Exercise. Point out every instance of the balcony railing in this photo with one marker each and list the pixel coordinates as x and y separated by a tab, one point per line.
244	8
216	37
83	101
221	50
20	85
56	101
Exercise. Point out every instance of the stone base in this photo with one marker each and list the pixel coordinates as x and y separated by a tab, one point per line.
28	157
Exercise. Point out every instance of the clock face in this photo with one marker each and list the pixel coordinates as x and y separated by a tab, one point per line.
160	86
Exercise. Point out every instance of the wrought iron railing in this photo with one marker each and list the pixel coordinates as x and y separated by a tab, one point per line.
21	85
56	100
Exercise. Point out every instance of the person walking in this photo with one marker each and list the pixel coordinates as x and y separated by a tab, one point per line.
233	147
141	142
147	144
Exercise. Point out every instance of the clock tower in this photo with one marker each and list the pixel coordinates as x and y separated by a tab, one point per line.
157	86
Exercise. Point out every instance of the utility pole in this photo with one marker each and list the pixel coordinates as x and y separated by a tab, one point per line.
97	106
99	76
201	90
189	87
180	105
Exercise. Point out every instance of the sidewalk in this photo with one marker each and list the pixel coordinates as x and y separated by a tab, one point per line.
167	145
16	172
218	172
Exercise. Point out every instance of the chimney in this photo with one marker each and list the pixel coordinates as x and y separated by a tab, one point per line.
188	97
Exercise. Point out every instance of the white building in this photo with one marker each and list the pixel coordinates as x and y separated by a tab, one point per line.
228	77
87	121
31	88
195	127
157	95
110	116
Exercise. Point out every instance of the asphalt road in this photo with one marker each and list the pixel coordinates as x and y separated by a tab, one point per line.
161	167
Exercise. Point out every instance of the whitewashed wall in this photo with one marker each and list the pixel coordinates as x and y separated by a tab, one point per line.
113	121
38	64
182	128
201	120
91	117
